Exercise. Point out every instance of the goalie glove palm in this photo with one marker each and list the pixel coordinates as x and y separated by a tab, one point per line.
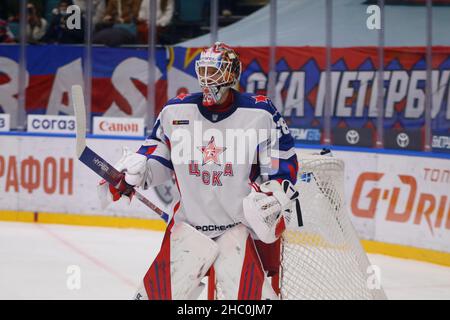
266	206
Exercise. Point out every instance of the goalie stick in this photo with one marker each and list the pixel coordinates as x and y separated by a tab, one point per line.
92	159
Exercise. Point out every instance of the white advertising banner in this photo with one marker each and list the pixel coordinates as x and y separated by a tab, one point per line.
391	198
50	124
398	199
43	174
4	122
122	126
401	199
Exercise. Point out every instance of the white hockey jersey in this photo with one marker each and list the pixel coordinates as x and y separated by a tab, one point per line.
216	155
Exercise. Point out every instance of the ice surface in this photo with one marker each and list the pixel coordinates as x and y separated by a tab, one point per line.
34	261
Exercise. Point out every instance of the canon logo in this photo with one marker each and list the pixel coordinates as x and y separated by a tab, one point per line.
119	127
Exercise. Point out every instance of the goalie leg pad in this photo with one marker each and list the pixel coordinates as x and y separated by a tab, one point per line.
184	259
238	270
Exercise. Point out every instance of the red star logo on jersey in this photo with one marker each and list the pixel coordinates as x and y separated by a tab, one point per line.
260	98
181	96
211	152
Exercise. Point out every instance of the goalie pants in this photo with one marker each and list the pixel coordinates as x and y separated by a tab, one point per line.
187	256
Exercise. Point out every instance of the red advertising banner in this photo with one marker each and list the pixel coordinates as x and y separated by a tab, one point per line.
120	82
300	84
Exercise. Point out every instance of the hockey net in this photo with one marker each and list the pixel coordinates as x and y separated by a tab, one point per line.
323	259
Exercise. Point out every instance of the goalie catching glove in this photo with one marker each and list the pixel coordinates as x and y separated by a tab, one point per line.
266	207
134	174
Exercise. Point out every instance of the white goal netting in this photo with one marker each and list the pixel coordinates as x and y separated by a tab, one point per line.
324	259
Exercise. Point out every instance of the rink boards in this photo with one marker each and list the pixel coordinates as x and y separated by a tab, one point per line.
399	204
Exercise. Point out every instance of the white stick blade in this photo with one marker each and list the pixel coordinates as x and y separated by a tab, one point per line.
80	116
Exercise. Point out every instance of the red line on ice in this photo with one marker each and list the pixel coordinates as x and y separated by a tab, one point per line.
94	260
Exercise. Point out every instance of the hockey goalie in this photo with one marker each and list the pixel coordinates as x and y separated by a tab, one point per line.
233	198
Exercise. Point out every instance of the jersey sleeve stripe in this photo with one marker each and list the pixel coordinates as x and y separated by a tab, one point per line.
147	150
163	161
154	134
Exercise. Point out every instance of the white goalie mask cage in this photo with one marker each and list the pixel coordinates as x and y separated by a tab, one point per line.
217	69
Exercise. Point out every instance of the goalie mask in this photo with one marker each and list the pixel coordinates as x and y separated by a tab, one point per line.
218	69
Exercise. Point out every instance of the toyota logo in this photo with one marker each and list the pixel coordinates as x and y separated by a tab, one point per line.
402	140
352	136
